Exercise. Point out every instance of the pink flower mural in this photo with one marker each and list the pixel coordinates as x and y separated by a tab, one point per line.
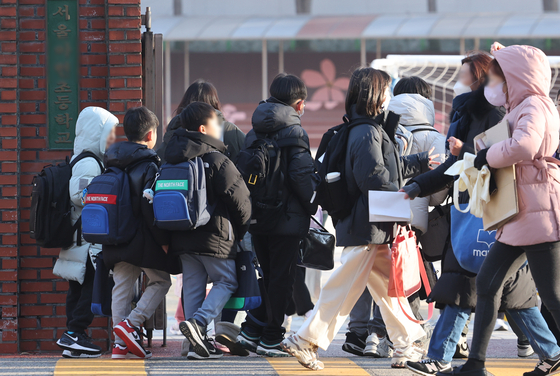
330	90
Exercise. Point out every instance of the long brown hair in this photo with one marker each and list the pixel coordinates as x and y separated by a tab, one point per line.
200	91
366	91
479	63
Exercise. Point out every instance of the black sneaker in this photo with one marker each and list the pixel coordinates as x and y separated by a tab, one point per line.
212	350
196	334
544	367
78	354
462	349
249	339
271	349
355	344
78	342
429	367
235	347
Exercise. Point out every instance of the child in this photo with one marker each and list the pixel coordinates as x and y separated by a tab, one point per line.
144	252
208	252
95	132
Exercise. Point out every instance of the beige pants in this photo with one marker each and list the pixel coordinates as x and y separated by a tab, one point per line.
364	265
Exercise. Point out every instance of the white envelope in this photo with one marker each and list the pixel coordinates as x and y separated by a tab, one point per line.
387	206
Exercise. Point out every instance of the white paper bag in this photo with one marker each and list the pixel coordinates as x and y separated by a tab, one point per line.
387	206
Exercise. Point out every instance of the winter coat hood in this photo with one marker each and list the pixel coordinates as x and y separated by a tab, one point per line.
414	109
186	145
273	115
92	129
124	154
527	72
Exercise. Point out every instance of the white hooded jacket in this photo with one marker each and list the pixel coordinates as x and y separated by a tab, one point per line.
418	112
93	126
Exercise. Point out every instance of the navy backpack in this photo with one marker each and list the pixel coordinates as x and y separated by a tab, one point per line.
103	284
107	217
180	198
248	294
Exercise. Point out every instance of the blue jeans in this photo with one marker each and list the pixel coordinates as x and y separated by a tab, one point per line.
533	325
447	333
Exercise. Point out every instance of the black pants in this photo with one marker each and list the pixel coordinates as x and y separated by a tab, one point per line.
277	256
78	302
502	262
551	323
301	298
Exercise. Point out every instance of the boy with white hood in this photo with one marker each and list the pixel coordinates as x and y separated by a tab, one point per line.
95	132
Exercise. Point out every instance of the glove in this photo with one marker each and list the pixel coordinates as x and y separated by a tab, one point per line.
412	190
480	160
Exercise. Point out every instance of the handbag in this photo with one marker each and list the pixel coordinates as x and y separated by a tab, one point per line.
317	248
471	243
407	270
248	294
436	239
103	284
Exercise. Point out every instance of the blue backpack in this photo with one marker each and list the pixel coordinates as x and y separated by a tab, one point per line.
180	198
107	217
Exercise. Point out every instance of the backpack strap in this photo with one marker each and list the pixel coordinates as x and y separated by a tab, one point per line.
87	154
421	128
287	142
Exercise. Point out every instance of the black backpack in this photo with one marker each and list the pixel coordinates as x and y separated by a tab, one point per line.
261	166
331	157
50	219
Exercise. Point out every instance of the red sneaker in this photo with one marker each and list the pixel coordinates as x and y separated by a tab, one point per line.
121	352
131	335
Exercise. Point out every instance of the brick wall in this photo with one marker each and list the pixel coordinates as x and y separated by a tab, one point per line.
32	299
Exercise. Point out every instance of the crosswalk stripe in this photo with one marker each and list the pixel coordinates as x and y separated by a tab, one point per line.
510	367
333	366
98	367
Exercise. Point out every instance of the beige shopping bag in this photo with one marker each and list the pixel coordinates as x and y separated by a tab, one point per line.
503	205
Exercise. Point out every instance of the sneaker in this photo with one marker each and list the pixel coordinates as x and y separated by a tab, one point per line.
232	344
429	367
78	354
354	343
524	350
545	367
459	371
121	352
501	326
132	336
411	353
249	340
372	342
305	352
462	350
196	334
78	342
213	352
271	349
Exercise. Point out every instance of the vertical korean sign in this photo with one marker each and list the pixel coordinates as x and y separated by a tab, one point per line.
62	72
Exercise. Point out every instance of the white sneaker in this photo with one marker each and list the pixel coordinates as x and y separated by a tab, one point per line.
411	353
372	342
524	351
305	352
378	347
501	326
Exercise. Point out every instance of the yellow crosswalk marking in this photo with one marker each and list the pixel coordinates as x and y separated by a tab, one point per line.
510	367
98	367
333	367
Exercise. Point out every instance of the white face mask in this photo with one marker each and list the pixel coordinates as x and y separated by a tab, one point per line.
302	112
495	95
461	88
385	104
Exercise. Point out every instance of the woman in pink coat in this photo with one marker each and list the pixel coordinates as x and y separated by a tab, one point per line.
519	79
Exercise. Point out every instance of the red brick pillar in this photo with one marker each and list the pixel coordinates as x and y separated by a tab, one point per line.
8	178
32	299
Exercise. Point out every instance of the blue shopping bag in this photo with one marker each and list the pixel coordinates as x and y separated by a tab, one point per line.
470	242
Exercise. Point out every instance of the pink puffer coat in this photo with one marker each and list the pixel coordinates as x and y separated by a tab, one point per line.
535	124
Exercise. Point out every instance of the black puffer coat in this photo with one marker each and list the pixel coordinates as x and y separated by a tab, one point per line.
225	189
234	138
144	250
273	117
373	163
473	115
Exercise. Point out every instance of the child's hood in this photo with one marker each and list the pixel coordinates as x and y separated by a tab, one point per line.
92	129
124	154
185	145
